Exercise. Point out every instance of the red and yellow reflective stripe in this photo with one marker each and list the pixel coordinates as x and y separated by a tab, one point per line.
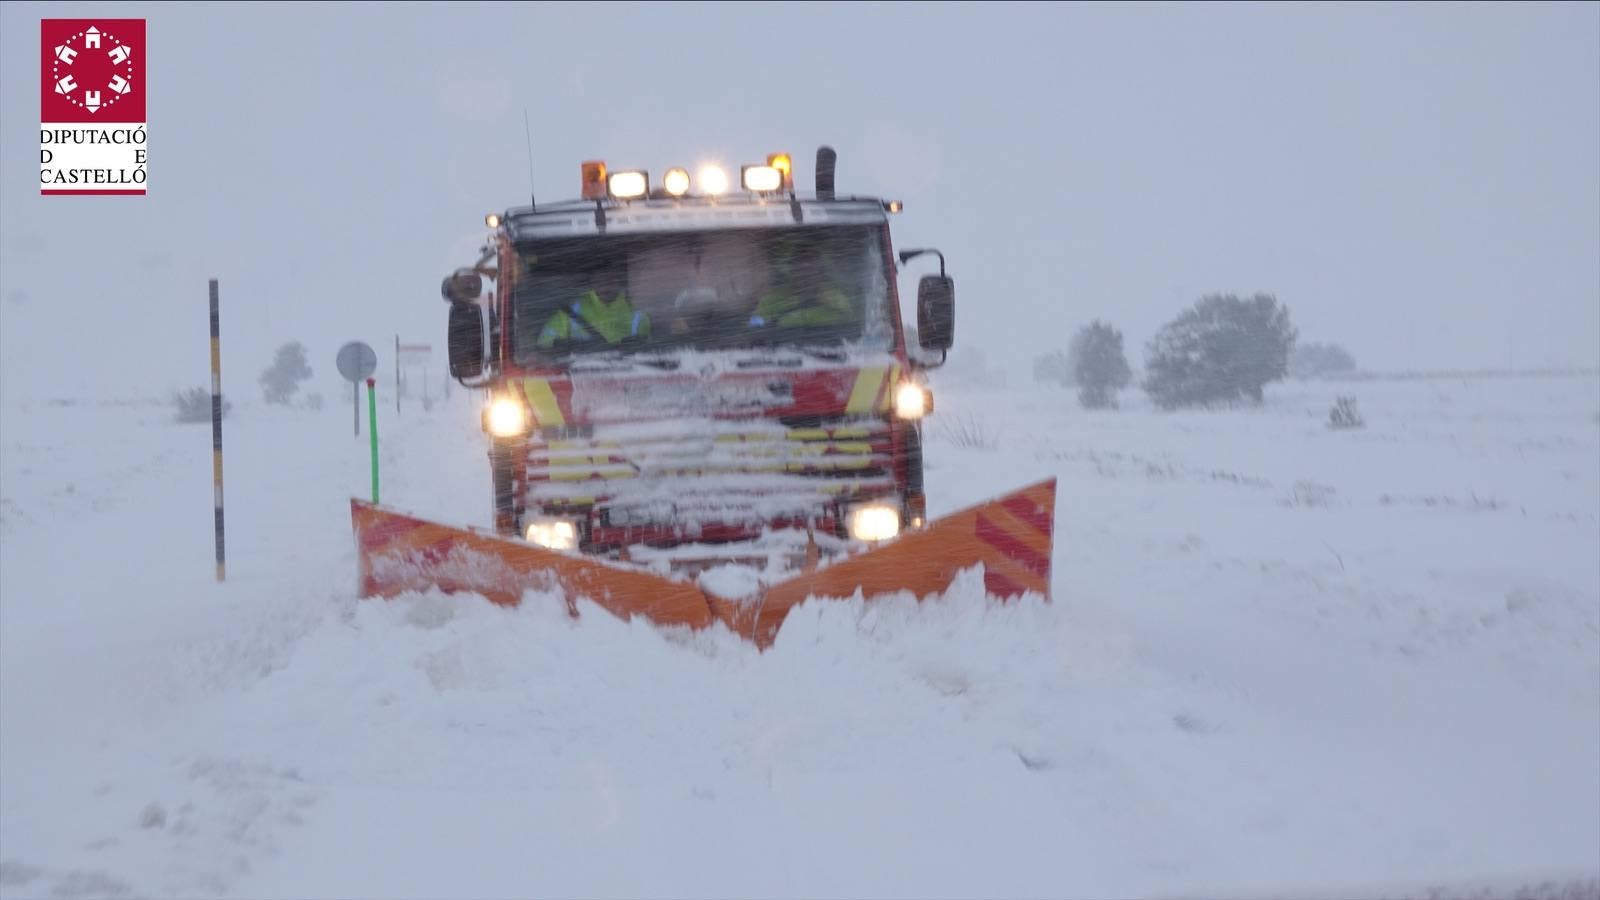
888	396
864	392
546	411
873	390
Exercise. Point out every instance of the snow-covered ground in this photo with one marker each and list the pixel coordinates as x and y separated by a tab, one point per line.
1281	659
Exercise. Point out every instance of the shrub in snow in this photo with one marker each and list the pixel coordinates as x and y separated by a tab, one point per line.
1320	360
1099	367
969	432
194	405
283	377
313	402
1310	494
1344	414
154	816
1221	350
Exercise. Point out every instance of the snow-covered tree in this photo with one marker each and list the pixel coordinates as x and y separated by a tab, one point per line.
283	377
1100	369
1222	350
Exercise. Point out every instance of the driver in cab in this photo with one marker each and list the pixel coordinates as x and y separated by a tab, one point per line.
590	317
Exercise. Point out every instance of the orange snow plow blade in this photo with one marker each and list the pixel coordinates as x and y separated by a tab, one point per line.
1011	537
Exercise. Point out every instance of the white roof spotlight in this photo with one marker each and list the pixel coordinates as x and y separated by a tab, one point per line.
676	182
761	179
628	185
713	180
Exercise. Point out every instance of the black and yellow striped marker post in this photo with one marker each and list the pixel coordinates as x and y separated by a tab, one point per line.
216	429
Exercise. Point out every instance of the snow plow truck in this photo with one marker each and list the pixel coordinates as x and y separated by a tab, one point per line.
700	406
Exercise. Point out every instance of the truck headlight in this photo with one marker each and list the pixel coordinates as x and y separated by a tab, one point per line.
554	534
876	522
912	401
506	417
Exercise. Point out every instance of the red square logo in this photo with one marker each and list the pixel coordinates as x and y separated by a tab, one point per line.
92	88
94	70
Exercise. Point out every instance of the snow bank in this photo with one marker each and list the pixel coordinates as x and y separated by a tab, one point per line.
1272	667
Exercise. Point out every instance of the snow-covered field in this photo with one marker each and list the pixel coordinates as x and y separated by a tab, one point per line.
1281	660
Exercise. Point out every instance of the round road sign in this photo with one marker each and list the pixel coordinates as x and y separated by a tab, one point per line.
357	361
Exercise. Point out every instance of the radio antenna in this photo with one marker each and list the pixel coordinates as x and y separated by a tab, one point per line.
527	132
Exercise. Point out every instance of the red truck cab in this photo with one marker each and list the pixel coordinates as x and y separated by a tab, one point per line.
694	371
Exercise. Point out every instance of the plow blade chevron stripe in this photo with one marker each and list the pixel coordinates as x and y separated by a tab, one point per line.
1011	538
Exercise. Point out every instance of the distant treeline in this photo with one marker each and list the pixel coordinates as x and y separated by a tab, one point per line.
1460	373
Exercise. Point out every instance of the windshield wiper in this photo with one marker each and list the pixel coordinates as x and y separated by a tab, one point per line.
787	355
611	362
831	354
771	360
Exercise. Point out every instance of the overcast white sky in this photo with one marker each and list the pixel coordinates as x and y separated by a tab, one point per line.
1418	182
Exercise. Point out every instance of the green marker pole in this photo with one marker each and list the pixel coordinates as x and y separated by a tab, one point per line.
372	428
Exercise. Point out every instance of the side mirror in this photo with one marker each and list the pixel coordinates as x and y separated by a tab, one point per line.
462	286
465	340
936	312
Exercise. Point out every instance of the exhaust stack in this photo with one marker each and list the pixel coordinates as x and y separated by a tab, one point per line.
826	159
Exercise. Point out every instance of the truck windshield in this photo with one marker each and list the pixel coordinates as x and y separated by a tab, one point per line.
801	286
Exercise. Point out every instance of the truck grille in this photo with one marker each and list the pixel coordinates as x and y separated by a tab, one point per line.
685	473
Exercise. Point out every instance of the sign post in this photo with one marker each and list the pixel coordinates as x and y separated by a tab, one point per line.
357	361
372	413
414	358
